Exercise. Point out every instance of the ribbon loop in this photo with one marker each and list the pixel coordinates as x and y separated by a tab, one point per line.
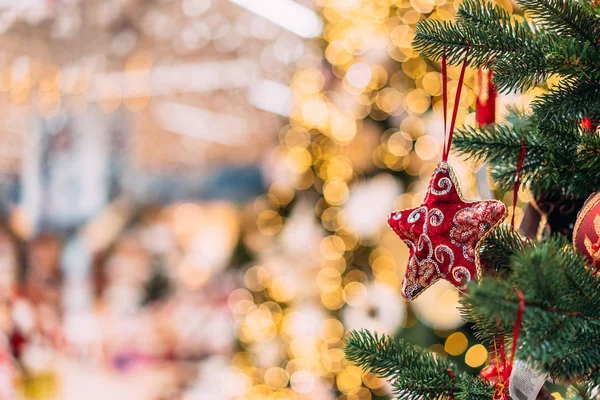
449	133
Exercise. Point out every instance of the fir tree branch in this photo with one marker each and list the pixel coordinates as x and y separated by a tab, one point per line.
473	388
569	18
498	248
561	323
499	39
499	143
414	373
381	355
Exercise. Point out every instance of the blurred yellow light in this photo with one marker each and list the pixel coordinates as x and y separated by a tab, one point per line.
307	82
355	294
329	278
298	159
359	75
415	67
418	101
332	247
257	278
296	138
269	222
389	100
389	278
274	309
302	382
339	167
349	381
306	180
423	6
400	144
241	307
304	347
343	128
337	54
411	17
402	36
315	111
335	191
476	356
373	381
283	289
383	263
414	126
333	299
333	218
349	237
339	264
258	326
456	344
280	194
333	360
331	331
276	378
432	83
427	147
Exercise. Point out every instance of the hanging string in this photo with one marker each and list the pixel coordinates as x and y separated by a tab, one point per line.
517	328
451	373
444	95
449	133
518	181
500	392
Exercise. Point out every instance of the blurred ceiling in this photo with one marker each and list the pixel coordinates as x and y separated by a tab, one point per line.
201	81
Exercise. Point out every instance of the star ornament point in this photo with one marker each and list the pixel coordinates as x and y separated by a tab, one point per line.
444	233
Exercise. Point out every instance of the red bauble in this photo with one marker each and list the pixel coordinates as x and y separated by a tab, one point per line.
586	234
485	110
444	234
588	125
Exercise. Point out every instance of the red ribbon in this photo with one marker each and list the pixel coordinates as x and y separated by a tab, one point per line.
518	181
449	134
501	392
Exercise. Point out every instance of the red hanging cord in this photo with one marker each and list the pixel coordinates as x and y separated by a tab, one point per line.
518	181
517	328
451	373
444	95
504	375
450	133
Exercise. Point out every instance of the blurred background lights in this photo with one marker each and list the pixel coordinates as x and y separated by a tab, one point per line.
228	169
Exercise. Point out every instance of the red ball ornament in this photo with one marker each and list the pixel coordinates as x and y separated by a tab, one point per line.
588	125
444	234
586	234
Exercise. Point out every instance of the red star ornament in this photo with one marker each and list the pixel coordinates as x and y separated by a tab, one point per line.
444	234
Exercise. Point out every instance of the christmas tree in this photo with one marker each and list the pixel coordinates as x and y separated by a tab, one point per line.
537	302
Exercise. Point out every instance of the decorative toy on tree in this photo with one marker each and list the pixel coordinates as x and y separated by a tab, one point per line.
444	233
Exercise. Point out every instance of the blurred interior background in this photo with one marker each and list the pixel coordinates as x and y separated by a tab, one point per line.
194	193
